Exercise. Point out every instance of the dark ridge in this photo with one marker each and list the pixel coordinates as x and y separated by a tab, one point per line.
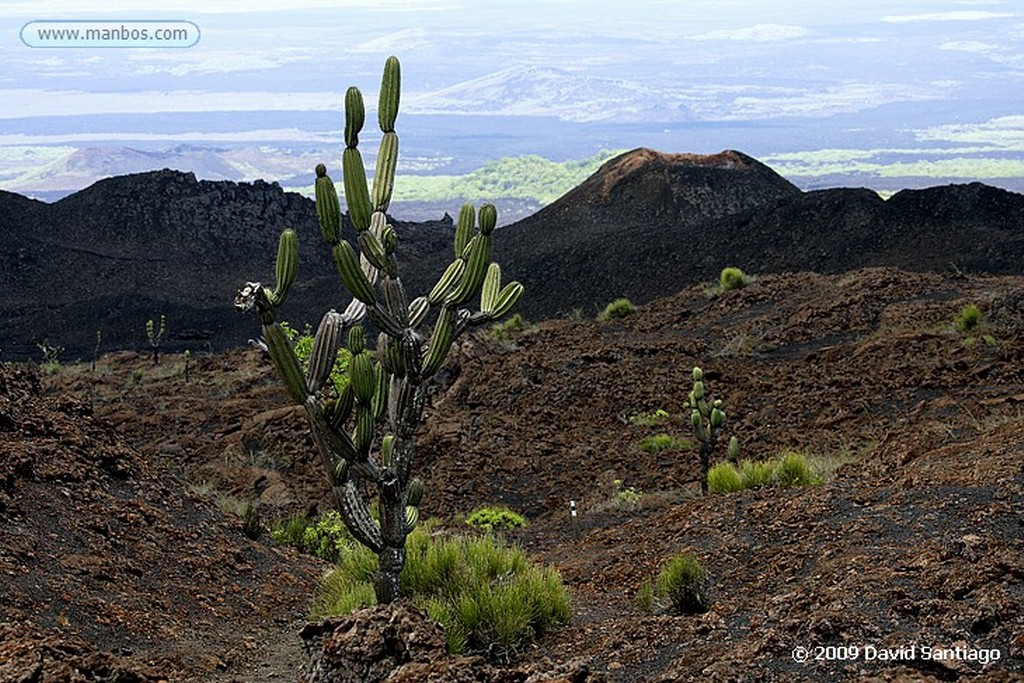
645	225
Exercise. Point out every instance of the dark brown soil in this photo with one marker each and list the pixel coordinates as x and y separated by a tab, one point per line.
118	563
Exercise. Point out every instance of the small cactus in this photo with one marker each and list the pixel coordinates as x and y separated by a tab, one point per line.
707	418
155	334
387	383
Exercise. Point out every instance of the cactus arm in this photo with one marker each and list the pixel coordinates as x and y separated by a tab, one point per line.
357	516
326	343
283	356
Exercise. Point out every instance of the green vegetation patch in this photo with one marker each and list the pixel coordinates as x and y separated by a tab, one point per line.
663	442
498	518
683	582
488	597
732	278
619	308
791	469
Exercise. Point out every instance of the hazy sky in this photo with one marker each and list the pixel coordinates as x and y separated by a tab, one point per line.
252	54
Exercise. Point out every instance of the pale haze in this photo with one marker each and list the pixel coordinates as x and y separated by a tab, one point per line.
884	94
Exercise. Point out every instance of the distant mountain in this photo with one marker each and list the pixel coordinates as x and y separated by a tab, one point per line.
646	224
568	95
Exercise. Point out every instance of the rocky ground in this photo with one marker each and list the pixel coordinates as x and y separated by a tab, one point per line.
122	556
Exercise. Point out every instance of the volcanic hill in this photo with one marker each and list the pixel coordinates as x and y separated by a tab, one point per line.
646	224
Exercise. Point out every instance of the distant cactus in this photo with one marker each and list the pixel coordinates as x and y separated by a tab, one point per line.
386	384
707	419
155	334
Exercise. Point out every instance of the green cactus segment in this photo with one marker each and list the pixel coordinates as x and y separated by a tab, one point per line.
352	275
287	266
379	402
491	287
476	269
390	94
386	447
440	342
394	297
384	175
325	351
328	208
283	356
390	239
356	193
355	115
464	229
339	411
356	340
374	252
717	418
488	219
363	377
363	435
418	310
357	517
412	516
448	280
733	453
507	298
415	495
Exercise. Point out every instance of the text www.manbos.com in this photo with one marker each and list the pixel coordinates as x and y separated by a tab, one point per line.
110	34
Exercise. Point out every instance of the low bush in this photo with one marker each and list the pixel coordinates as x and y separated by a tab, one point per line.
325	538
732	278
657	417
663	442
791	469
499	518
968	319
489	598
619	308
685	583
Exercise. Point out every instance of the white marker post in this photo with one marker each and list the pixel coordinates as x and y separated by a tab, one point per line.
573	519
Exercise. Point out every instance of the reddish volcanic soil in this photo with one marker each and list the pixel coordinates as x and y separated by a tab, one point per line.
122	556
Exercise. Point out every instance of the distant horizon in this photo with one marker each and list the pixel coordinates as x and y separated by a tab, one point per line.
858	91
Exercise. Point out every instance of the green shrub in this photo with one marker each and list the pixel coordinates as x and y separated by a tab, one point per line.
488	597
645	596
325	538
501	330
685	582
658	417
732	278
663	442
791	469
724	478
619	308
757	475
495	519
968	319
626	496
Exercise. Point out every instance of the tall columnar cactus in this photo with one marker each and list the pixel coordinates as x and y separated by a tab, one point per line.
708	418
155	334
385	394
